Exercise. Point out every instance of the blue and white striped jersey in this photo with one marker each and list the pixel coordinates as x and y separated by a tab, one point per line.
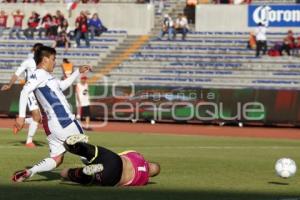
49	93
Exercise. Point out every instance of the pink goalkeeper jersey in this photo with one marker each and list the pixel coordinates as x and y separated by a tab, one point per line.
141	168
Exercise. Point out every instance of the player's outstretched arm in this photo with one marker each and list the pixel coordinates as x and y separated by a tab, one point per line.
13	79
69	81
16	75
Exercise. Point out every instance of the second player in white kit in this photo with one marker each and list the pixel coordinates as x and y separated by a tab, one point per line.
28	66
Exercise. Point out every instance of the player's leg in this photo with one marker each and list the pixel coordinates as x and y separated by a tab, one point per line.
34	122
77	175
46	164
56	155
77	144
105	165
33	126
56	136
86	116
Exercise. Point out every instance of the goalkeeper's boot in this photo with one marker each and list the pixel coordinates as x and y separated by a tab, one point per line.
93	169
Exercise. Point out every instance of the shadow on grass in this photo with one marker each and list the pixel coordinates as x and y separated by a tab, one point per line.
278	183
22	143
48	176
69	191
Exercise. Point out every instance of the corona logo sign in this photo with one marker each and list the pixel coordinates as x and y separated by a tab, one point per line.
274	16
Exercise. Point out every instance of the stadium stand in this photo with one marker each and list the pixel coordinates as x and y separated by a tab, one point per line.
204	59
100	48
208	59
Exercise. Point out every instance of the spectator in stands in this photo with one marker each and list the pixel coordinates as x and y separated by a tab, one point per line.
65	27
261	39
252	41
161	6
297	46
167	27
18	22
95	26
181	25
82	29
90	1
45	25
141	1
190	10
275	49
83	101
241	2
3	22
67	68
223	1
60	17
62	40
32	23
54	27
33	1
288	43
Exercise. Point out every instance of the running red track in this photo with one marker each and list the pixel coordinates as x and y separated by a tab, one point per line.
189	129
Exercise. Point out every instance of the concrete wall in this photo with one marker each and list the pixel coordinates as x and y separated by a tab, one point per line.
227	18
136	19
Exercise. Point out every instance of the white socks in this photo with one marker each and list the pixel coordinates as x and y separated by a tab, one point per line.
45	165
33	126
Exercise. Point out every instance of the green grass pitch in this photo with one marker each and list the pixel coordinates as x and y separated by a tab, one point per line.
193	167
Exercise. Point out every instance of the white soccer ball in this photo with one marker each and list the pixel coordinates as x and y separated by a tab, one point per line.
285	167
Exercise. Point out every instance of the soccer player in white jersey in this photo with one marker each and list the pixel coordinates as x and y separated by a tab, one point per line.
58	120
28	66
83	101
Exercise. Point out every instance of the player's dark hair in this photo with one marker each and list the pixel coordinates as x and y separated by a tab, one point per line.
36	46
66	60
42	52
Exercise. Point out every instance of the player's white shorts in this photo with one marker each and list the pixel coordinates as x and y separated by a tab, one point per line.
32	102
58	135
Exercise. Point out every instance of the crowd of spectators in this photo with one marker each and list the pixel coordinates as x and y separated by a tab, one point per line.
53	26
290	44
43	1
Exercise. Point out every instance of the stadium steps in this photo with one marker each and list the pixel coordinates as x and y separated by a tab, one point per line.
115	58
206	82
208	73
288	67
100	47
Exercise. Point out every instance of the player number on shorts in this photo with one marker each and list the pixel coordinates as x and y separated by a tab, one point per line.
142	169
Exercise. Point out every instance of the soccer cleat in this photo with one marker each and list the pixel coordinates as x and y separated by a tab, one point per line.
30	145
73	139
21	175
92	169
